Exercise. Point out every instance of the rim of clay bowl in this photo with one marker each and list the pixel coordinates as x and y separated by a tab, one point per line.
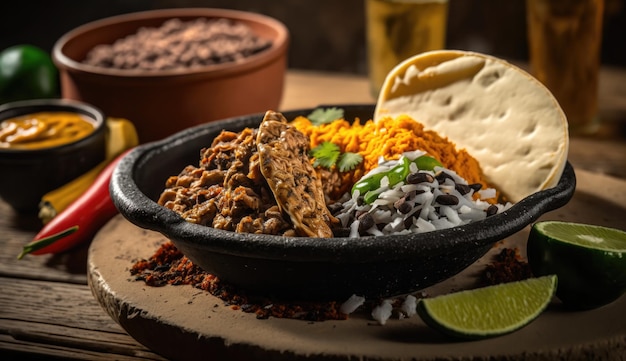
138	208
23	107
276	50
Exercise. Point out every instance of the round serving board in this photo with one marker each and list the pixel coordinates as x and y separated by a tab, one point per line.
182	322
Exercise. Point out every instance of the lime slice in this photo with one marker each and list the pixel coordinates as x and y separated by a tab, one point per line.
589	260
488	311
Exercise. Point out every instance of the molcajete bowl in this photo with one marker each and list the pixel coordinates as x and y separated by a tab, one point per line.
310	268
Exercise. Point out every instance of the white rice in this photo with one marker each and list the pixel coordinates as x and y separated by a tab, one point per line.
351	304
382	312
409	306
426	214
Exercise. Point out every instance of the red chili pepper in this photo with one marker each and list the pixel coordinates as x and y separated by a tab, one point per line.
80	221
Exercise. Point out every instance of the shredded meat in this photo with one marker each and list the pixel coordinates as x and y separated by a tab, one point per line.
253	181
286	166
226	190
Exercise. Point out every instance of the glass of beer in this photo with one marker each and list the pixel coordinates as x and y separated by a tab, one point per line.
564	43
399	29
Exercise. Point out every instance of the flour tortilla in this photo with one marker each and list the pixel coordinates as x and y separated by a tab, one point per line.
501	115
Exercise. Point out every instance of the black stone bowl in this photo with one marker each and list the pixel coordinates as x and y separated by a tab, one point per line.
310	268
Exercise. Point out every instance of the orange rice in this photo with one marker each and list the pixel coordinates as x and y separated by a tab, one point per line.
389	137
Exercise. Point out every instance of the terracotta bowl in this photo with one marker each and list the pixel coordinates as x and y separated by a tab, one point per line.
28	174
310	268
161	103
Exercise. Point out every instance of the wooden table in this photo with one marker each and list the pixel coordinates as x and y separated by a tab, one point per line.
47	309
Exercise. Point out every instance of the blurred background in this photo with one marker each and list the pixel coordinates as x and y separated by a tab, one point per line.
327	35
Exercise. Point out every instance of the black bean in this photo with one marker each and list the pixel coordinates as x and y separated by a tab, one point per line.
447	200
476	186
419	177
366	221
442	176
408	222
335	208
491	210
462	188
402	206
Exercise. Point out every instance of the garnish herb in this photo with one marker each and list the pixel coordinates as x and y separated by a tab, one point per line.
328	154
325	154
348	161
325	115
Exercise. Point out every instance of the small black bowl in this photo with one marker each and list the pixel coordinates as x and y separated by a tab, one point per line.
310	268
28	174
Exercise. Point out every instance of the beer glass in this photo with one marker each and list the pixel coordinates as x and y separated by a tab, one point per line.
399	29
564	43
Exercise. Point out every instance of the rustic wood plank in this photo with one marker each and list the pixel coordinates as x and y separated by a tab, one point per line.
15	349
53	303
46	321
17	230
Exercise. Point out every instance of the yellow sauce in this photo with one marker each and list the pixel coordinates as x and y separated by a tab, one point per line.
44	130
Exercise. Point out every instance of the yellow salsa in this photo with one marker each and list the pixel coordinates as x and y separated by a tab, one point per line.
44	130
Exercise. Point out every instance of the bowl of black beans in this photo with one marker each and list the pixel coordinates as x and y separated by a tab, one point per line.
170	69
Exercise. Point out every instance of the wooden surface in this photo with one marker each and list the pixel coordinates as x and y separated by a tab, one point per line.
46	307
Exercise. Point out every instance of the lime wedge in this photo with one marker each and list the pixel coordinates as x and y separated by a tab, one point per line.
589	260
488	311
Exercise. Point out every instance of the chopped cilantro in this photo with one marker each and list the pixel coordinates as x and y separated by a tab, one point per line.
322	116
325	154
348	161
328	154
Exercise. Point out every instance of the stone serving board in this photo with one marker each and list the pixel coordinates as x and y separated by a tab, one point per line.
184	323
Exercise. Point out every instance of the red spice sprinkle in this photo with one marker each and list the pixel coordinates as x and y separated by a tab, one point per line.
168	266
507	266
